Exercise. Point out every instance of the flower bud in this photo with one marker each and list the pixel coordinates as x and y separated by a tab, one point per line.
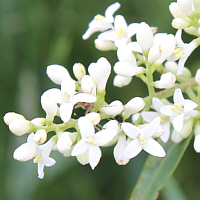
192	31
144	36
79	70
25	152
88	85
20	126
197	143
196	5
10	116
57	73
113	108
197	77
197	130
171	66
135	117
175	11
180	23
104	45
94	117
167	80
100	71
40	136
176	136
135	105
112	124
121	81
185	6
154	54
187	128
39	121
64	142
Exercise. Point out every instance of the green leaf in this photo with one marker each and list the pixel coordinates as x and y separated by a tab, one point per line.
157	171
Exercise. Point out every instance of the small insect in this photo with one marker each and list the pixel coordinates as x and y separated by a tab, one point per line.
119	118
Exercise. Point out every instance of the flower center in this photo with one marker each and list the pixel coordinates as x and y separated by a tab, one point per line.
120	32
163	118
99	17
142	139
177	108
37	159
178	52
90	140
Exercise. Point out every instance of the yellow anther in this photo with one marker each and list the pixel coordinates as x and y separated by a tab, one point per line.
37	159
120	32
90	140
163	118
66	95
177	108
142	139
178	52
99	17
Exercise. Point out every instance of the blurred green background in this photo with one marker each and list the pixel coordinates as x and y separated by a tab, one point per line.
35	34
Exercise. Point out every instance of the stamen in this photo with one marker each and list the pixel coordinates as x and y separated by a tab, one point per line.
90	140
37	159
99	17
142	139
120	32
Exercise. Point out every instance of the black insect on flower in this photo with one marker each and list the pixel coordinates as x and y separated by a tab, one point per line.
119	118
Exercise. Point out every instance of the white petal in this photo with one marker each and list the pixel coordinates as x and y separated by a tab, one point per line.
124	54
178	122
166	127
104	136
152	127
120	22
80	148
94	155
86	127
149	116
189	105
48	162
154	148
113	108
66	111
132	29
57	73
121	81
130	130
133	149
40	167
111	9
167	110
118	149
157	103
83	97
68	88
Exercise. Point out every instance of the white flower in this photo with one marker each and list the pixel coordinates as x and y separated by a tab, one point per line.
165	121
27	150
121	33
57	73
142	139
167	80
181	111
182	52
101	23
70	98
90	141
135	105
100	71
126	66
42	157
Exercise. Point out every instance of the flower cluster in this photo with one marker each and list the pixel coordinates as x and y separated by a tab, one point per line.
131	127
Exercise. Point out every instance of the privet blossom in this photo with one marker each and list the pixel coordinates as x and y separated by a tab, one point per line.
132	126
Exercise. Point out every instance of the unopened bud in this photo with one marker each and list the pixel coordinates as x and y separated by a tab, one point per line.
135	105
167	80
94	117
197	77
121	81
10	116
88	85
113	108
79	70
64	142
104	45
187	128
40	136
20	127
180	23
